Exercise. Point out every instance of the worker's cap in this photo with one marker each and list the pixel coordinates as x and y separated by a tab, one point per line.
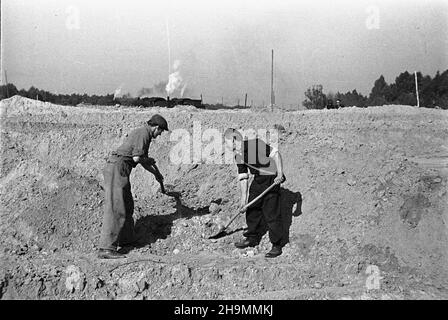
158	120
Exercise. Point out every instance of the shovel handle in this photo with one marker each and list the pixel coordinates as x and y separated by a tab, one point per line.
162	188
261	195
243	209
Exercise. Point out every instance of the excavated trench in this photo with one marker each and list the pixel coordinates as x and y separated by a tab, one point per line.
364	207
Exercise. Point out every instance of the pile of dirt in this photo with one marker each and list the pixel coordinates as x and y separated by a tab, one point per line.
365	197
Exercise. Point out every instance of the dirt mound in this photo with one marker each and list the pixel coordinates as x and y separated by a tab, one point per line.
365	196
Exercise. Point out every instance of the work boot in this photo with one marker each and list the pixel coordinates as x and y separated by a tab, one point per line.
246	243
275	252
110	254
128	246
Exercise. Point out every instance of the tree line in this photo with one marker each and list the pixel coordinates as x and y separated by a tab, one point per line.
433	93
73	99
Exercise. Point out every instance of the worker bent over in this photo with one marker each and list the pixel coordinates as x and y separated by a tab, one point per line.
118	223
254	156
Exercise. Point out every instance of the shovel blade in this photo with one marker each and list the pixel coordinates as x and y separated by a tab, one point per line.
221	233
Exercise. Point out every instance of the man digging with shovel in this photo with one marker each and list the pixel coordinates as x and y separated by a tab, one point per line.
254	156
118	224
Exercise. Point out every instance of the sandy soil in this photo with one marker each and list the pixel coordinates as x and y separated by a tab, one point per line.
366	198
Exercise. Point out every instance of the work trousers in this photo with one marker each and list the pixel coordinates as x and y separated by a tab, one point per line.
118	223
265	214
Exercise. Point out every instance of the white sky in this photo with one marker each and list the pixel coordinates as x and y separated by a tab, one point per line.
224	47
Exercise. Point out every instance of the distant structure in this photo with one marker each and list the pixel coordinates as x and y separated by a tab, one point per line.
272	80
155	101
186	102
169	103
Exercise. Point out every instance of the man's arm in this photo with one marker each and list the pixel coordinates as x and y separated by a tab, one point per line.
150	165
279	164
244	186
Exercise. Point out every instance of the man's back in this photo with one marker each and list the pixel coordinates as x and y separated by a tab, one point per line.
136	143
256	158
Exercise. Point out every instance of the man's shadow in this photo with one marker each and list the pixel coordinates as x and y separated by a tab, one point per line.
290	206
150	228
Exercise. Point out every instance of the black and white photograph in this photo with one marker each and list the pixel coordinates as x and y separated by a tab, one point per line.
224	155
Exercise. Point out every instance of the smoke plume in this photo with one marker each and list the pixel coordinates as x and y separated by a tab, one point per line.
175	86
117	92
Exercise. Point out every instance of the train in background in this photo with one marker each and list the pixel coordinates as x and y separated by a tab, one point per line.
170	103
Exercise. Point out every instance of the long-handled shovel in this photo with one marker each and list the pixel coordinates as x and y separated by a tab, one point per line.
221	232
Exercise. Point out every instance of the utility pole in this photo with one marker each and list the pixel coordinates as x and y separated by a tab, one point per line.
416	90
245	101
6	82
272	80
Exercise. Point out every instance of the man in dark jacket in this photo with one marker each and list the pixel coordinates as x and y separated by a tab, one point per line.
264	162
118	223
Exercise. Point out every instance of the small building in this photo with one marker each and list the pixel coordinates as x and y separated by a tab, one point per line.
186	102
154	102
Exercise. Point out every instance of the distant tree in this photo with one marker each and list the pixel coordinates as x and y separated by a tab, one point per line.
406	98
427	91
315	98
330	99
33	93
379	92
331	96
441	89
22	92
353	98
405	82
75	99
106	100
7	91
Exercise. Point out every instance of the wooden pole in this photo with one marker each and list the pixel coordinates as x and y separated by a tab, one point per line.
6	81
245	101
416	90
272	79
